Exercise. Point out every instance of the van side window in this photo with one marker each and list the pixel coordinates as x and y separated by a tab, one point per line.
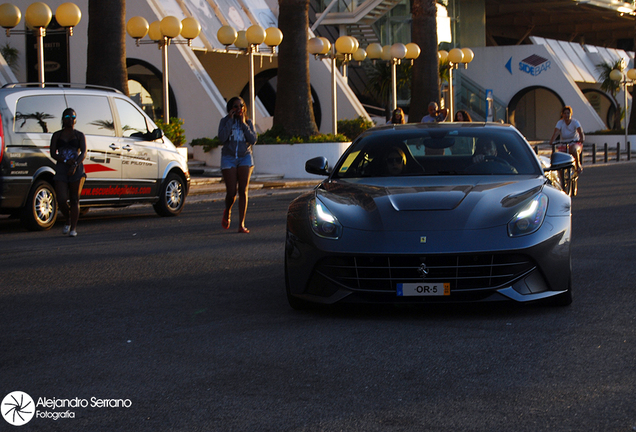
94	116
39	114
133	123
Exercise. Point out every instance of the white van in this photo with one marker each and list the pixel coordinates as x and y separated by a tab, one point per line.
128	159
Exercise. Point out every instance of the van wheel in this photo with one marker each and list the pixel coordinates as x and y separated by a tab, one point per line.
171	196
40	210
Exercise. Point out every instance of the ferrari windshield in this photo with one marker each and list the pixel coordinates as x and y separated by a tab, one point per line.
444	149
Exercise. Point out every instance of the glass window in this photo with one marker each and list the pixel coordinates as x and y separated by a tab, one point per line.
94	116
133	123
41	114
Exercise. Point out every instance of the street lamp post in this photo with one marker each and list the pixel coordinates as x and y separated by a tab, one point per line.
250	40
455	57
393	54
163	33
38	16
622	78
347	48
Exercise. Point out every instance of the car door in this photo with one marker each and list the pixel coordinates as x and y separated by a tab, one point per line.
103	163
140	171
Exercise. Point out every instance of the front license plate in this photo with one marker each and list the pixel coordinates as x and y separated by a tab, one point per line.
423	289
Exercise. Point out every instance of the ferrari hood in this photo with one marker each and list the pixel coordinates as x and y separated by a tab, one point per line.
436	203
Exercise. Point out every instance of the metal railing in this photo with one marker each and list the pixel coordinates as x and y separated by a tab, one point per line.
591	152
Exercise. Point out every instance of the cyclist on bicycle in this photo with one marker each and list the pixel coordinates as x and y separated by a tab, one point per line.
572	134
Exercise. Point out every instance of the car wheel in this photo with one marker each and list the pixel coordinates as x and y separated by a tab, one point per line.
564	299
295	302
171	196
40	211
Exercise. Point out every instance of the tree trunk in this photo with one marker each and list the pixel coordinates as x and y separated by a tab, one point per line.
294	111
106	55
425	79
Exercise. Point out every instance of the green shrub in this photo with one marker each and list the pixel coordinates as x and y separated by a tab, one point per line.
352	128
174	131
277	135
208	144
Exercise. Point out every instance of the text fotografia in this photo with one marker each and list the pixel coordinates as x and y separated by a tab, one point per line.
54	403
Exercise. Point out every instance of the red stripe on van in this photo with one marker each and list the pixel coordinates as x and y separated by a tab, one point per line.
92	168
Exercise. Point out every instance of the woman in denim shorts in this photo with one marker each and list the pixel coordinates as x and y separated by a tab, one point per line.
237	134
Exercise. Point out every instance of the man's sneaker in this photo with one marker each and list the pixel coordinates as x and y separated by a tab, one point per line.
73	233
66	229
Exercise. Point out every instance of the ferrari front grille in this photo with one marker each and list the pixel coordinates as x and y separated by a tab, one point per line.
463	272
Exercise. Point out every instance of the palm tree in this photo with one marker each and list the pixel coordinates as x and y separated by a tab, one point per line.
610	86
294	112
106	61
425	79
379	81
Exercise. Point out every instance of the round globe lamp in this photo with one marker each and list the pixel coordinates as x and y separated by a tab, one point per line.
616	75
469	55
374	51
137	27
631	74
68	14
398	51
154	31
386	53
255	35
442	55
345	45
170	27
315	46
326	45
359	55
241	40
10	15
190	28
273	37
226	35
412	51
455	56
38	15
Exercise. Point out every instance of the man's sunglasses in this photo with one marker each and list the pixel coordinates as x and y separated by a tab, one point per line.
395	160
70	116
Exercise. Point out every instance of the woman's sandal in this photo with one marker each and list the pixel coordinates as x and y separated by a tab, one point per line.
225	222
243	230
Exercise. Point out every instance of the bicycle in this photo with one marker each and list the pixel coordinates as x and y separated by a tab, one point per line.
569	176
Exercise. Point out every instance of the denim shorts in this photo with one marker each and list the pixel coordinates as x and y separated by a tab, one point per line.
228	162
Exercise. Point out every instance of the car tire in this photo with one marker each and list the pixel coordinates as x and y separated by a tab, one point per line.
40	211
171	196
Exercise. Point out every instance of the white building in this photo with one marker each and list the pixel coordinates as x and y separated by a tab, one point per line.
520	57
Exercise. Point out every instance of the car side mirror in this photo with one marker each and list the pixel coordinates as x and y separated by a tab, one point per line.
154	135
560	160
318	166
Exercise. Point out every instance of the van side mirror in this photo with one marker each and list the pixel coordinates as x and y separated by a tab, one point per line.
154	135
560	160
317	165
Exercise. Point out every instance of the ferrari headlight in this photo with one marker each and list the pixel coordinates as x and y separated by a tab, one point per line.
323	223
530	218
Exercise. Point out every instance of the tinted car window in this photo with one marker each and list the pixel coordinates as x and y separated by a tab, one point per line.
439	151
39	114
94	116
133	123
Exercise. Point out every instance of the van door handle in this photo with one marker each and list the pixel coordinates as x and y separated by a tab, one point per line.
127	147
114	146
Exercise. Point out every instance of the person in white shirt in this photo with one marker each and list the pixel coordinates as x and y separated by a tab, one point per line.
570	130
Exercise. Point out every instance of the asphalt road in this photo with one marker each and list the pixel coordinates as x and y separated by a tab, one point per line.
188	324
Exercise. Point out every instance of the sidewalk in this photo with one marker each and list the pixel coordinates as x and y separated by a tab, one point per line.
207	185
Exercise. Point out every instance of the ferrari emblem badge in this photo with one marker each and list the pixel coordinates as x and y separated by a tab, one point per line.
423	239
